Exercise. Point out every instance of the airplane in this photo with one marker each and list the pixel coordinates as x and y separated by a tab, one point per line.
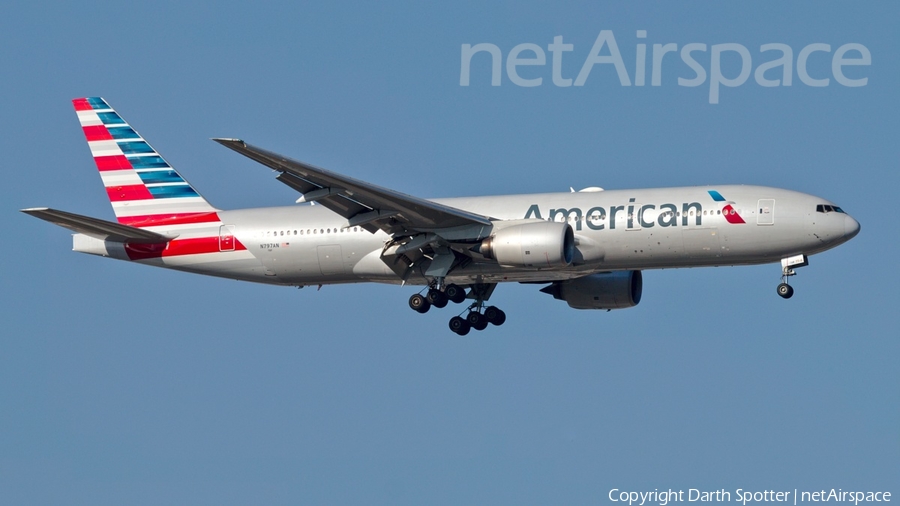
587	247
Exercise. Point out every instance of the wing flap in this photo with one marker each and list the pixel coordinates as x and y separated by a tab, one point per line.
100	229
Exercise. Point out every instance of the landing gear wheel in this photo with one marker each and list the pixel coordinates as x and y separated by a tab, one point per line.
495	315
459	325
437	298
455	293
419	303
785	291
477	321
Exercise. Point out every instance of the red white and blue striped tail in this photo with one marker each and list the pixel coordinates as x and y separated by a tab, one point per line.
145	191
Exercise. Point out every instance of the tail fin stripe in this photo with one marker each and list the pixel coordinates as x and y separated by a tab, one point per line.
156	220
122	133
134	148
148	162
120	178
81	104
97	133
88	104
111	118
163	192
161	206
104	148
118	162
138	181
160	176
130	192
88	118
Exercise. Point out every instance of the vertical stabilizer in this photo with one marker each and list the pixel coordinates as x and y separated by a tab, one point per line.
144	190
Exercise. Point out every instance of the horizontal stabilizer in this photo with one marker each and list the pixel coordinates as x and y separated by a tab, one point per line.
101	229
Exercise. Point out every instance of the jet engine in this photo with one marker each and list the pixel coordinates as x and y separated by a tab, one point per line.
535	244
606	290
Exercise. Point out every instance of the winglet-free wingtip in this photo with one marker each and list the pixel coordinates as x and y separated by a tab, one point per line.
225	141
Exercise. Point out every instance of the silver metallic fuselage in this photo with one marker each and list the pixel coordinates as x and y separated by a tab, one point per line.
640	229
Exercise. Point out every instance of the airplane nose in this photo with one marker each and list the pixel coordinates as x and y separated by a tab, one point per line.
851	227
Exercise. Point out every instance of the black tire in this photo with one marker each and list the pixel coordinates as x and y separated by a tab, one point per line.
495	315
437	298
459	325
419	303
785	291
455	293
477	321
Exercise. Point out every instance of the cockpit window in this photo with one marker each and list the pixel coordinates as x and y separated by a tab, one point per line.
824	208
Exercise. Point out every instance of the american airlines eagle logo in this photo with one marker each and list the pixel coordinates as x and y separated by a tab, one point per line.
731	216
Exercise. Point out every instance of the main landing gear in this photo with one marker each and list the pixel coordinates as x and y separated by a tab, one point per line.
437	298
477	320
478	316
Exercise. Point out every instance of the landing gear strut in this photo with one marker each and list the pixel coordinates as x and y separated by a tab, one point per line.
785	291
478	317
437	295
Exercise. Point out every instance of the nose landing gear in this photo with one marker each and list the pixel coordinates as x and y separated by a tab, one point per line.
786	291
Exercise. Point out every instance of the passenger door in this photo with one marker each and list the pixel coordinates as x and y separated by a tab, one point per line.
765	209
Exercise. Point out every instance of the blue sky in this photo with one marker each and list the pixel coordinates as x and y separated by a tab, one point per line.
126	384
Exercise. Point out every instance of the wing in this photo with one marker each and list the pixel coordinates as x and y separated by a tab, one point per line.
362	203
100	229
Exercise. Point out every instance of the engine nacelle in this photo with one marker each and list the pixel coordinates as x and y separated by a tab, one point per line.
607	290
544	244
